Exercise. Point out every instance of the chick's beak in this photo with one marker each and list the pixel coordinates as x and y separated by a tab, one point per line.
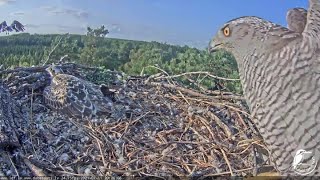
213	46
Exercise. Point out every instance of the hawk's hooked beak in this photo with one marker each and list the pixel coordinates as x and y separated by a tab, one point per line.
213	46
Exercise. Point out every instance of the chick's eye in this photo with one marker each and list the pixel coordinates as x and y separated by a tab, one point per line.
226	31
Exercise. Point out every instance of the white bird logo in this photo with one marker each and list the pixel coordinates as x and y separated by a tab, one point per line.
299	159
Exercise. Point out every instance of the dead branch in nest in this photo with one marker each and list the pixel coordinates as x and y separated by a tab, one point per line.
52	50
197	73
197	94
157	127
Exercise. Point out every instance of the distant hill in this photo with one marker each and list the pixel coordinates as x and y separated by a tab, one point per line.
129	56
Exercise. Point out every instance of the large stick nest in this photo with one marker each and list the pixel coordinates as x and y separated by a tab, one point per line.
158	128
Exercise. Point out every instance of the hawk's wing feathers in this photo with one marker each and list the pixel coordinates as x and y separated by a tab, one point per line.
312	27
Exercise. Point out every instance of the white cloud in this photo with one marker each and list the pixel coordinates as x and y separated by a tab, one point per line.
53	10
48	8
18	13
54	28
4	2
114	28
71	29
32	26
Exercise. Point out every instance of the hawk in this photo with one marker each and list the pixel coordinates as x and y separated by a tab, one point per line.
75	97
15	25
279	69
297	19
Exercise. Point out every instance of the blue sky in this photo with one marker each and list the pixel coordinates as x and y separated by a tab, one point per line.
182	22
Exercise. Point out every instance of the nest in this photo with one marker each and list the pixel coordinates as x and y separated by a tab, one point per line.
158	128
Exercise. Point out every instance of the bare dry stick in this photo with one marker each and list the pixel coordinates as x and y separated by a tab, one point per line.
156	67
12	164
196	73
194	93
36	171
132	122
52	50
197	84
101	152
171	82
227	161
163	71
31	106
206	124
220	123
62	59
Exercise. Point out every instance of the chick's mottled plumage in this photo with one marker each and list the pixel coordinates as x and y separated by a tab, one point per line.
280	73
76	97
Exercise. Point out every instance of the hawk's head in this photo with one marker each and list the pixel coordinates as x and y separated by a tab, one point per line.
243	36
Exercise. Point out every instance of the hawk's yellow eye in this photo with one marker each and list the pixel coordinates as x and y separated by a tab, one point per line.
226	31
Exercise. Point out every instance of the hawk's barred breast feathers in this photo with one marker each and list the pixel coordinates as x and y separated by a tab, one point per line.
280	72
